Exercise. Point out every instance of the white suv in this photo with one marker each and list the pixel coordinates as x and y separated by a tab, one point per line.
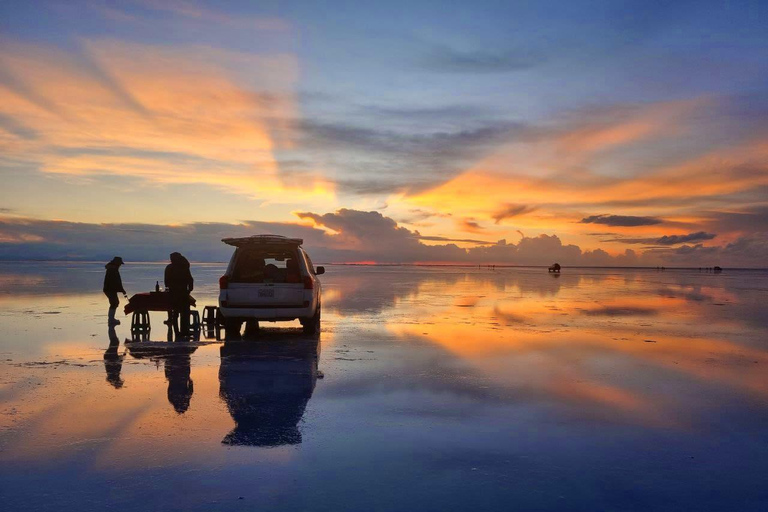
269	278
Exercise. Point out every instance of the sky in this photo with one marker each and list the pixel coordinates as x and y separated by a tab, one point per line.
594	133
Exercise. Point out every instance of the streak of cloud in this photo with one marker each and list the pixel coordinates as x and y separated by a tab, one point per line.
196	12
512	210
164	114
10	80
105	78
445	59
620	220
471	226
700	236
458	240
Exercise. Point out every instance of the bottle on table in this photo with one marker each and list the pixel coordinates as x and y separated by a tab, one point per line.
157	286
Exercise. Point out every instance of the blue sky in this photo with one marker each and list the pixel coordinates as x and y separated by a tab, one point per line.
437	115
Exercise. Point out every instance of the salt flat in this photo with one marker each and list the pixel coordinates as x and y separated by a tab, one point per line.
429	388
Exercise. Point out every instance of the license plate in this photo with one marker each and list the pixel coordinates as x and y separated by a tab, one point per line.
267	292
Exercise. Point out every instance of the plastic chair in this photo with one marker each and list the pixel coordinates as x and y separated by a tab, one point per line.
194	320
210	315
140	321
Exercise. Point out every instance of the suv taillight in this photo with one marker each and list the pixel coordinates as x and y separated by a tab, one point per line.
223	282
308	283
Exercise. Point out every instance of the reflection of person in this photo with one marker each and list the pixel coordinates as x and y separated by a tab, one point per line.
113	362
180	386
112	285
179	282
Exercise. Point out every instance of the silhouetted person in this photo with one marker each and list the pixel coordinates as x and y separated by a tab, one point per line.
180	386
112	285
113	362
179	282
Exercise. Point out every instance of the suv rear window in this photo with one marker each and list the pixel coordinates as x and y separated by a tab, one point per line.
266	264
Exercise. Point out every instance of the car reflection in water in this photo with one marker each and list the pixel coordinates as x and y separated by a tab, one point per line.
266	385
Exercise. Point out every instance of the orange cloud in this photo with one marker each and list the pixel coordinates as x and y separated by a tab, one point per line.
620	129
165	114
481	192
471	226
590	167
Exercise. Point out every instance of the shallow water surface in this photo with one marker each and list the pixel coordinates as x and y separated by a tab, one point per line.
430	388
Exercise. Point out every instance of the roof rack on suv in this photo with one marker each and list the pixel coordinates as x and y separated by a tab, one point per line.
262	239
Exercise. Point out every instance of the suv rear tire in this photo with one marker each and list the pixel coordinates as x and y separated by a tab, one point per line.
311	325
232	328
251	329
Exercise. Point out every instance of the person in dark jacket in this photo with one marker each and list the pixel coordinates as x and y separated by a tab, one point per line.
179	282
112	285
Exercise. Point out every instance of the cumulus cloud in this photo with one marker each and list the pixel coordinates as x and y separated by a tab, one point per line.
370	236
749	251
342	236
345	235
620	220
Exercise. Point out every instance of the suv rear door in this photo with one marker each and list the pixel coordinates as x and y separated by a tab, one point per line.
266	276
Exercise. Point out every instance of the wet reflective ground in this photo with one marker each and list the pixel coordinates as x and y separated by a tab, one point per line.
428	389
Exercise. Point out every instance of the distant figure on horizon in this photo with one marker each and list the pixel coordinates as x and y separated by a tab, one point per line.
112	285
179	282
554	268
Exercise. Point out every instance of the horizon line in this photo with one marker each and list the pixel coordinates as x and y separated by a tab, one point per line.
384	264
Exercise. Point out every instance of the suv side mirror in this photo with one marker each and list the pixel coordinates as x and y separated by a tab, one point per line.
319	271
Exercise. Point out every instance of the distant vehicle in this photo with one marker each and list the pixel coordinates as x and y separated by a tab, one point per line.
269	278
554	268
717	269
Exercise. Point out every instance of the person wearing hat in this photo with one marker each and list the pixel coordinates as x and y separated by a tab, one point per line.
112	285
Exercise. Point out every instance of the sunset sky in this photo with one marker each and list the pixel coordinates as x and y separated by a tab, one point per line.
602	132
